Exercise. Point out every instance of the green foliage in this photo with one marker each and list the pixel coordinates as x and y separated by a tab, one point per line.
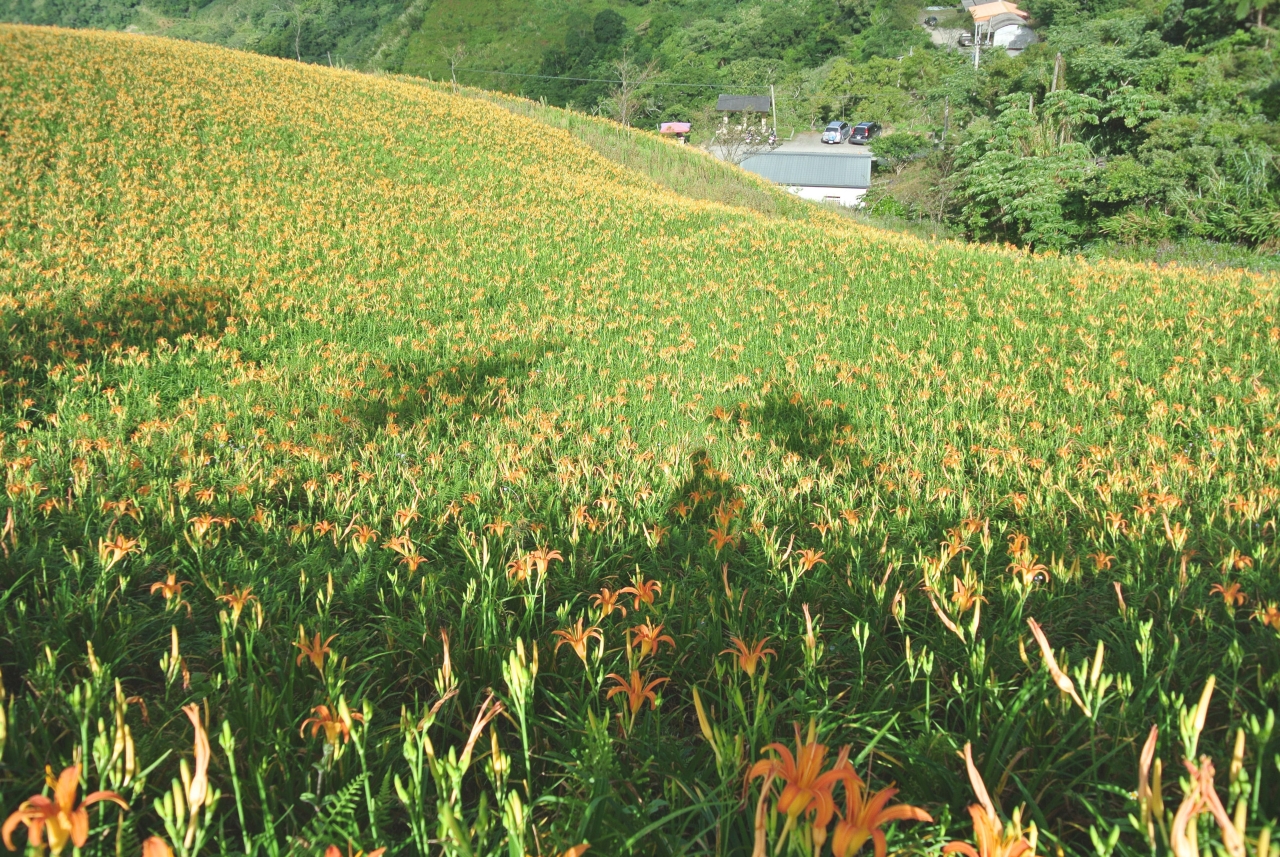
898	148
608	27
1140	141
104	14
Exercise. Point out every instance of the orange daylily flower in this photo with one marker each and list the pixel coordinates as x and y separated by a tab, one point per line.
332	722
608	602
643	590
363	534
577	638
170	588
404	517
657	533
413	560
314	650
60	819
498	525
154	846
238	599
993	838
111	552
1231	595
1029	569
965	597
401	544
810	557
863	817
1269	615
541	559
807	787
332	851
636	690
748	655
518	568
1203	797
720	537
648	638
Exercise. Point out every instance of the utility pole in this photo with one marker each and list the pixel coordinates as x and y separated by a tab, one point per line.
773	102
977	36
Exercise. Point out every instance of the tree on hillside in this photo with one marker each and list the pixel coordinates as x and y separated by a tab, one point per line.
734	136
897	150
298	12
454	56
608	27
626	101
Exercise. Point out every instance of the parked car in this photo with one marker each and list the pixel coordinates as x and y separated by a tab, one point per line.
836	132
864	132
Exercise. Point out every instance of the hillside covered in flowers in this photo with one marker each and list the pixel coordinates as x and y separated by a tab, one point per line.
373	484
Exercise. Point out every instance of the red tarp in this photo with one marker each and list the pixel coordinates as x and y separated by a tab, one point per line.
674	128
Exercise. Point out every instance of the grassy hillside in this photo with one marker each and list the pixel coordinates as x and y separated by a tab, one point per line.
326	417
686	170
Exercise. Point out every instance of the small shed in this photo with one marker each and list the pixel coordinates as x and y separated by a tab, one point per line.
680	130
1002	24
744	104
842	179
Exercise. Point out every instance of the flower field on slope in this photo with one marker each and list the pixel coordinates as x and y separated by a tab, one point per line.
373	483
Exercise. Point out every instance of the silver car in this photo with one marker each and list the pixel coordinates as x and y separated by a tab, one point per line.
836	132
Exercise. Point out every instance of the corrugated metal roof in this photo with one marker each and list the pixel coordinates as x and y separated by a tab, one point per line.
744	104
1005	19
984	11
805	169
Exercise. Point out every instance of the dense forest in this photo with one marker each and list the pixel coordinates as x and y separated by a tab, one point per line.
1127	124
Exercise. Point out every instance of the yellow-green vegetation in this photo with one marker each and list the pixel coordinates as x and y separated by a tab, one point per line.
690	171
377	478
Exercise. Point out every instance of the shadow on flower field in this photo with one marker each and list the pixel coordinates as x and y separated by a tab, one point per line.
467	390
40	329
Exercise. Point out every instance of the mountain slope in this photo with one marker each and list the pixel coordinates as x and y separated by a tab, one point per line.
317	401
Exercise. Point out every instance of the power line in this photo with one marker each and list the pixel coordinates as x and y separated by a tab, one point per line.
719	86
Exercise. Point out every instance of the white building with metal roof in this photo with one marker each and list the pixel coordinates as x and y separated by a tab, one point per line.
842	179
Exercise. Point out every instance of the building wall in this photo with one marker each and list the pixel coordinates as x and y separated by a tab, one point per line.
1005	37
850	197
